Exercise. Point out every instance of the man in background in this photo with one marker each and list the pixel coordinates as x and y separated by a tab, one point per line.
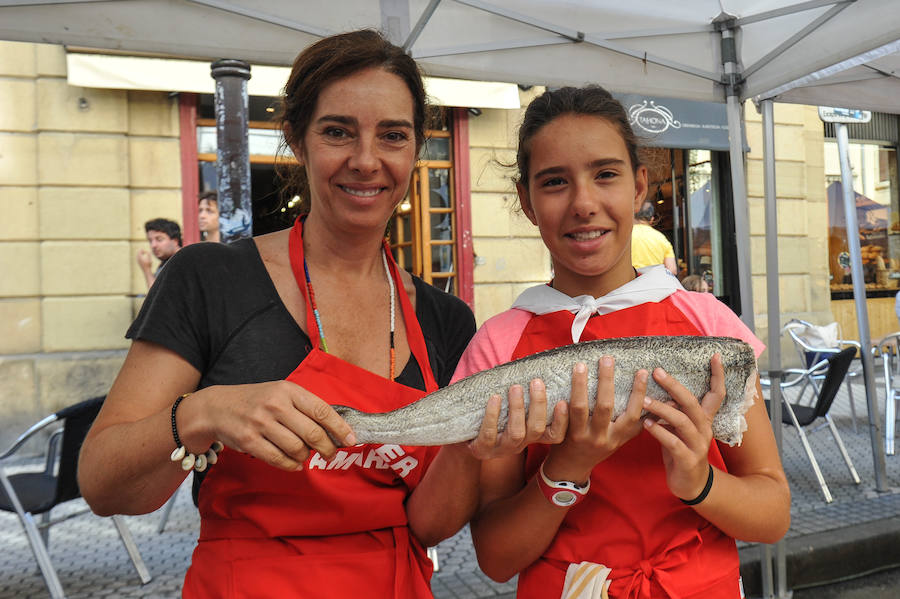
208	216
165	239
649	246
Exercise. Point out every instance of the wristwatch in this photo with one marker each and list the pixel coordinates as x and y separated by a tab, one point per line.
563	493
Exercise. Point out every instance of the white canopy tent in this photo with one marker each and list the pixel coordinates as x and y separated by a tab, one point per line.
655	47
830	52
713	50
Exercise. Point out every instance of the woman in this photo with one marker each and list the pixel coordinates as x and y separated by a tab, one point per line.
635	507
290	507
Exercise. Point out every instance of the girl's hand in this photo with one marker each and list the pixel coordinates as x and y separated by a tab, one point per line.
687	433
521	429
590	439
277	422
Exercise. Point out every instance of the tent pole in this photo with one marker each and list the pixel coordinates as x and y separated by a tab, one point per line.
232	148
732	80
773	312
741	215
862	309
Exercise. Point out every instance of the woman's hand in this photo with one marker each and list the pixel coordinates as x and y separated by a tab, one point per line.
277	422
522	429
590	439
687	433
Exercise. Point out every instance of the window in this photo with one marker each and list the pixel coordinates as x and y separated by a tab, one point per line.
875	186
423	232
689	191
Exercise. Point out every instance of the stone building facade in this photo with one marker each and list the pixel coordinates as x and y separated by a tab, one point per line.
82	169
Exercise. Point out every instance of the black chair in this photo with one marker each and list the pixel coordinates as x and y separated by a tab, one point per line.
835	367
812	350
30	493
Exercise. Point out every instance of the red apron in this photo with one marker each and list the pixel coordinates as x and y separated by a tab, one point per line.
630	521
338	528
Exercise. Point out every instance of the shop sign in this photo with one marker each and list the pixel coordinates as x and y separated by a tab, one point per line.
674	123
844	115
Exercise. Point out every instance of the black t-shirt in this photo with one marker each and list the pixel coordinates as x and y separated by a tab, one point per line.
216	306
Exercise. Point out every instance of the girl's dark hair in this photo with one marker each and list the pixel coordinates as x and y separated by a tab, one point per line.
591	100
331	59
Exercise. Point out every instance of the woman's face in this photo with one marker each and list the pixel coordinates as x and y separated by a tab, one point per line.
359	149
582	194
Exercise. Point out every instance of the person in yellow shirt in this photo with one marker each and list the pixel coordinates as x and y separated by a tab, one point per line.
649	246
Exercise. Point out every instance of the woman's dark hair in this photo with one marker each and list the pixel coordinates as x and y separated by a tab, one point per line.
331	59
591	100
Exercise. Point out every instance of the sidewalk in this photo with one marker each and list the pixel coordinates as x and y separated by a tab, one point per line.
858	532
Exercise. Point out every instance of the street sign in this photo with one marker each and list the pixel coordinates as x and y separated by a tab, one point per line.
844	115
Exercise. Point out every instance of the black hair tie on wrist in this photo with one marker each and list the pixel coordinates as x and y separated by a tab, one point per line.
703	493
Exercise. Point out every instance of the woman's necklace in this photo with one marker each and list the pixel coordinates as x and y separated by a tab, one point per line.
315	308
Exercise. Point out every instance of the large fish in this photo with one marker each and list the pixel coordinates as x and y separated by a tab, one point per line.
454	413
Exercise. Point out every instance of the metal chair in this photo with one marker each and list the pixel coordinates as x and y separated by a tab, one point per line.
887	348
30	493
166	512
811	353
835	367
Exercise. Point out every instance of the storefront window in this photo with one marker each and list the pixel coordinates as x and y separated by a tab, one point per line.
875	186
704	238
423	231
684	188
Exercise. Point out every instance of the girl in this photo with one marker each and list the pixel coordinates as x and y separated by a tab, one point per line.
249	343
635	508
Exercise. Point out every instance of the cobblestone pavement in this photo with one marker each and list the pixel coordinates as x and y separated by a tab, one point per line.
91	561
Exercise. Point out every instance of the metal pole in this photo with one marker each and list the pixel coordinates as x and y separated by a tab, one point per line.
676	215
232	151
862	310
773	311
732	82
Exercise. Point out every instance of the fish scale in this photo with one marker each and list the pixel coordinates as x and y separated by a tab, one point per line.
454	413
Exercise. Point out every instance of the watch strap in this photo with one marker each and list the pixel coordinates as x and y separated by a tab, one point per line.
563	493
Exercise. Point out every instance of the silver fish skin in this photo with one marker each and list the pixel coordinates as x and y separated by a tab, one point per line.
454	413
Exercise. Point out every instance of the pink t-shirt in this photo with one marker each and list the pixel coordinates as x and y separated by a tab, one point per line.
496	339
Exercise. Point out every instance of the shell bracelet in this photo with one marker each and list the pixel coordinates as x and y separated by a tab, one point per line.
198	461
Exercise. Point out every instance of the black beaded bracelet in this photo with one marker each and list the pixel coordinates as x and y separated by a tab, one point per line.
174	427
703	493
198	462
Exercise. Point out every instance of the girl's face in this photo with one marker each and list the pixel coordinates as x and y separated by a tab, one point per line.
359	149
582	194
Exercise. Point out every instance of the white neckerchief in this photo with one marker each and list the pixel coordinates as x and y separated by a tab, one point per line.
654	284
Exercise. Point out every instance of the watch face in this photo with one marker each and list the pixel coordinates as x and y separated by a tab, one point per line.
564	498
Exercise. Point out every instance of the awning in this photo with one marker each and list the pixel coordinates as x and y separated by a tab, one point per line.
165	74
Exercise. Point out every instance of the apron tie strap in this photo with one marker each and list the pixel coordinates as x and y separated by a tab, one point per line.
657	568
